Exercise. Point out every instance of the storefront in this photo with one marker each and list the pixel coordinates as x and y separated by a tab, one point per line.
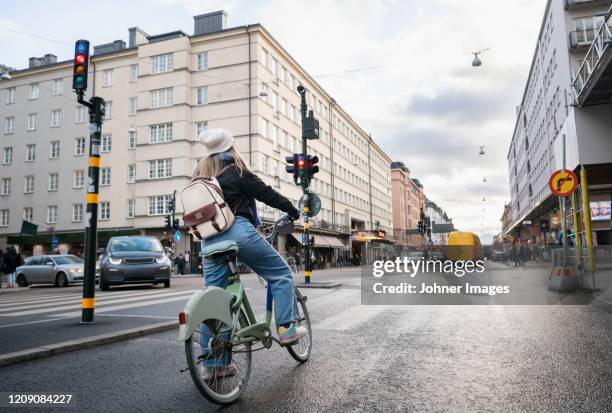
368	246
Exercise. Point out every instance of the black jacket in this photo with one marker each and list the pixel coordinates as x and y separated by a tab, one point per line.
239	190
11	262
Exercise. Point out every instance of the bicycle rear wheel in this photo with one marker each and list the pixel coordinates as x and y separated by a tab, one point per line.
302	348
219	370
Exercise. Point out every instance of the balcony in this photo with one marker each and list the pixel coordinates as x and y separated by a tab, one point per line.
593	83
576	4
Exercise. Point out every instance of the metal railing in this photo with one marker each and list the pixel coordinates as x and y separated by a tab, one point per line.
600	45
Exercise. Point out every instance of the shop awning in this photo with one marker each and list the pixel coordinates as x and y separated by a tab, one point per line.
322	241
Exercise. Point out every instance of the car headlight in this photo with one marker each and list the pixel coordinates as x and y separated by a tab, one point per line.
114	261
73	270
162	259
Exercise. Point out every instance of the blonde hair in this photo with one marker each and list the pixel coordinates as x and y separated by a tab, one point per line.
212	165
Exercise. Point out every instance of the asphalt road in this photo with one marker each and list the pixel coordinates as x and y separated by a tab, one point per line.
366	358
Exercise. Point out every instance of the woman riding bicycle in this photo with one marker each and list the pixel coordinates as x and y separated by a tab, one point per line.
240	190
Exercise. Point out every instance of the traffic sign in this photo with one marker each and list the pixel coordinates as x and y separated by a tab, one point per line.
54	242
563	182
177	236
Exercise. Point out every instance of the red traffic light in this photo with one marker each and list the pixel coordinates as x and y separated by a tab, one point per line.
81	62
80	58
301	163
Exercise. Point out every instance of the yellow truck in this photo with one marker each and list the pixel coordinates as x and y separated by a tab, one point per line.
464	246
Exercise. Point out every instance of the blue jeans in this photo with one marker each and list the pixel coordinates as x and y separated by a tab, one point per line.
262	258
10	279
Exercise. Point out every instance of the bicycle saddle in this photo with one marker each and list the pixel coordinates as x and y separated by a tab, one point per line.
219	249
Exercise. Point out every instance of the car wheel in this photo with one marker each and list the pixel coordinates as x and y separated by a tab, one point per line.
61	280
167	284
103	284
21	280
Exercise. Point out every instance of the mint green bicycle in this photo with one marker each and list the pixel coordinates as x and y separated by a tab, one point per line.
221	333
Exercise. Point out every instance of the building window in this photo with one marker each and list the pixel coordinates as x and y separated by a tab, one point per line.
77	212
132	139
4	217
7	155
131	208
108	110
202	95
104	211
264	57
34	91
201	127
161	97
160	168
53	181
10	95
203	61
28	185
158	205
9	125
133	73
58	87
131	173
52	214
78	178
586	28
28	214
30	152
162	63
107	142
275	137
54	150
79	146
80	114
107	77
274	69
264	126
32	121
6	186
160	133
56	118
275	102
105	176
133	105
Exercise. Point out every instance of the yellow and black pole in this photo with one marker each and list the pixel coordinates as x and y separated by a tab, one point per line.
586	213
96	114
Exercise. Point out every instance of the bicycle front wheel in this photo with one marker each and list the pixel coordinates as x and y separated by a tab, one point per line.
302	348
219	369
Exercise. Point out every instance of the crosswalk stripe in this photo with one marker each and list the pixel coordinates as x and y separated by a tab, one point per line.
75	298
350	318
25	298
72	306
121	307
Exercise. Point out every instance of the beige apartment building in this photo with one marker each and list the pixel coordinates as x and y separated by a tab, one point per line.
161	91
408	201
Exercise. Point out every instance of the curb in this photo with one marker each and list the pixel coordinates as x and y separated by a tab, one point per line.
79	344
13	290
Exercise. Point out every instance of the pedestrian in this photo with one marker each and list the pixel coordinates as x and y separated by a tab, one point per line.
522	254
176	264
11	261
514	254
298	261
181	264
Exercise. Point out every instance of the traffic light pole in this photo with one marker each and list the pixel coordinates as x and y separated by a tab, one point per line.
96	115
305	183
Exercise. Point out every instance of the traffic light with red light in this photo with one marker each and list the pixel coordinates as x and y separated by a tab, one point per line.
300	163
312	167
291	167
80	68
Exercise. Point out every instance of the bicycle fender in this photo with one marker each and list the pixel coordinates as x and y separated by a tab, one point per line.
209	303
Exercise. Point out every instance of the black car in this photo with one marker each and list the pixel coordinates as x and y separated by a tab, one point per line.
133	260
499	256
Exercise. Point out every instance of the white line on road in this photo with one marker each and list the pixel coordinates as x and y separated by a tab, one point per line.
350	318
30	298
119	300
31	322
76	299
139	316
122	307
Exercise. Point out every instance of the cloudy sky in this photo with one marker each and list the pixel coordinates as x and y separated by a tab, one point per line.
424	104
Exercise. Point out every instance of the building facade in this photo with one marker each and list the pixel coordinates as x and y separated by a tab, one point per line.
161	91
437	216
563	120
408	202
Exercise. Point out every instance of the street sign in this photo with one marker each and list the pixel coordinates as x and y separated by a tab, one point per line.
526	222
54	242
28	229
177	236
563	182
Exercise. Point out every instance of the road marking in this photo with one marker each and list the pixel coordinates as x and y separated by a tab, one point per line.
122	307
350	318
78	305
140	316
30	298
100	298
31	322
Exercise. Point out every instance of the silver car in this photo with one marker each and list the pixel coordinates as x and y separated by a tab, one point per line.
60	270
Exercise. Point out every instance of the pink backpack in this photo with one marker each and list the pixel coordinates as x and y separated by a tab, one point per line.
205	211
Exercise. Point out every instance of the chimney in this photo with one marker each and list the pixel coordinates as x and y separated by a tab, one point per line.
47	59
137	37
209	22
109	47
